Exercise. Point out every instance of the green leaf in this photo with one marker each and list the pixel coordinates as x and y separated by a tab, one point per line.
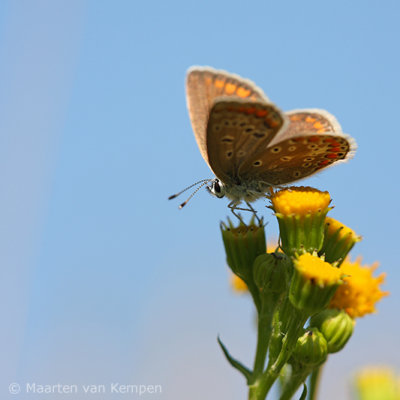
304	394
235	363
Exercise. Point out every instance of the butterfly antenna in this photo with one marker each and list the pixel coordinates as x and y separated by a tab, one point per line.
203	181
187	200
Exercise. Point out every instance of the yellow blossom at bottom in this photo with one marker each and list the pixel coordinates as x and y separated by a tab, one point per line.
360	291
377	383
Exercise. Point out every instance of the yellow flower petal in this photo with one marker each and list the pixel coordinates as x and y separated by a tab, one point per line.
360	290
300	200
315	269
333	226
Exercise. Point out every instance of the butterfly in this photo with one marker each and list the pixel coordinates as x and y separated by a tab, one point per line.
250	144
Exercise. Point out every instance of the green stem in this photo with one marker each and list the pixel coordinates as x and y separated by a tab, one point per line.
260	388
314	382
294	383
281	320
263	334
255	294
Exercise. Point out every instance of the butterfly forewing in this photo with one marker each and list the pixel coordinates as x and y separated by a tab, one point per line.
203	86
236	131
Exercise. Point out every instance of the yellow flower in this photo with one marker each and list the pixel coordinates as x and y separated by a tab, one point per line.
313	284
238	284
301	213
338	241
360	290
300	201
317	270
376	383
333	226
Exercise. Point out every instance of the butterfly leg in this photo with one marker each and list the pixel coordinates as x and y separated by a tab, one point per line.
254	212
234	206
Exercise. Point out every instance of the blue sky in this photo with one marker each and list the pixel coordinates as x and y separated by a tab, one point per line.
103	279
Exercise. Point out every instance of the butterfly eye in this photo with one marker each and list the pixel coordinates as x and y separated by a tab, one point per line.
217	189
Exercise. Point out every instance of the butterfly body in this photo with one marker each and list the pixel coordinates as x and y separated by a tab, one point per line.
249	143
238	191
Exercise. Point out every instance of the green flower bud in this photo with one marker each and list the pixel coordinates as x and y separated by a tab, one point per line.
271	273
337	327
242	246
311	349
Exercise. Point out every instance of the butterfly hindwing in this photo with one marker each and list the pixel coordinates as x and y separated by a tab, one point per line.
236	131
312	141
203	86
296	158
307	121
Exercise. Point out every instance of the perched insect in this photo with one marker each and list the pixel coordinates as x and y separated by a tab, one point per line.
250	144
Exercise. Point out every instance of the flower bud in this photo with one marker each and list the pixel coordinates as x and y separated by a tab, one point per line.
271	272
242	245
311	349
336	326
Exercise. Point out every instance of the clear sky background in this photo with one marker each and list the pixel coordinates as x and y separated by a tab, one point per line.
102	279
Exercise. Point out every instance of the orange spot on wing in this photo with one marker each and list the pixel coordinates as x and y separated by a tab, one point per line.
219	84
249	111
310	119
335	149
314	139
230	88
295	117
331	155
325	162
261	113
318	125
242	92
273	123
